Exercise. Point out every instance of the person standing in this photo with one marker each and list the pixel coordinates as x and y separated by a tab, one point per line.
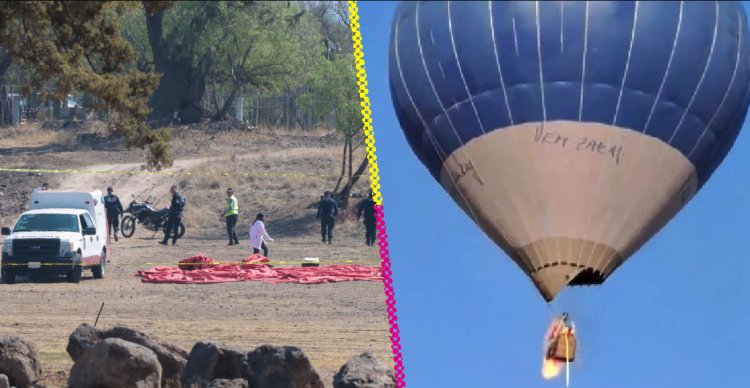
231	214
175	216
367	206
258	235
328	209
114	209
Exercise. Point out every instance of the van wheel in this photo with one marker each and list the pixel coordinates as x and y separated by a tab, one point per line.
74	276
100	270
7	277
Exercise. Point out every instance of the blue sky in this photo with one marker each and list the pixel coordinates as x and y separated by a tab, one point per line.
675	315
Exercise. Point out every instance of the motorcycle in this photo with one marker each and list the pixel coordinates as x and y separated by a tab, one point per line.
141	212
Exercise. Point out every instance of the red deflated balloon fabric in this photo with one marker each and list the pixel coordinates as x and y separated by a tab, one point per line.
196	262
255	268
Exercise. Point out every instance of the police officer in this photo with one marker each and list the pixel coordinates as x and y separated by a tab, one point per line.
367	207
231	214
328	209
175	216
114	209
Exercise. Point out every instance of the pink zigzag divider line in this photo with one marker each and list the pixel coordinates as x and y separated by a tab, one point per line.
390	299
374	177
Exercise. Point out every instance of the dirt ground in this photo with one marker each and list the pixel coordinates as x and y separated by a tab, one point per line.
329	322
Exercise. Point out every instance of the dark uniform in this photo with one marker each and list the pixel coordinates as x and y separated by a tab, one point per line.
114	209
175	215
327	212
368	208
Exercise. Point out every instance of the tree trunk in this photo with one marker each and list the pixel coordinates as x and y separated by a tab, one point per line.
346	192
351	155
5	62
182	84
214	99
343	169
228	103
180	90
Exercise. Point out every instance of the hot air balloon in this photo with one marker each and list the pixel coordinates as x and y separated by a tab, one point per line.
571	132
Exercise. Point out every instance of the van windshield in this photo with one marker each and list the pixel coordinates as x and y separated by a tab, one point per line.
47	223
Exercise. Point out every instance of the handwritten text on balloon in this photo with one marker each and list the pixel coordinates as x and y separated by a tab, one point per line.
464	169
581	144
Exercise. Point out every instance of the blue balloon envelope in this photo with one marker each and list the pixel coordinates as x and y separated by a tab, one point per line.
571	132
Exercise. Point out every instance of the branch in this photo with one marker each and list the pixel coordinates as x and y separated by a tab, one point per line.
247	54
359	145
93	68
343	14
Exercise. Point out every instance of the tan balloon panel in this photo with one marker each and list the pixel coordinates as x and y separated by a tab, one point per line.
568	201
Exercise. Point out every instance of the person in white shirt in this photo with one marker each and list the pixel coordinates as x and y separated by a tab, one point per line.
258	235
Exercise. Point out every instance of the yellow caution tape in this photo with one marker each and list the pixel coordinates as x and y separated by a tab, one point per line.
73	171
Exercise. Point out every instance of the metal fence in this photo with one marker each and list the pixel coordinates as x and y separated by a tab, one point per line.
291	109
16	108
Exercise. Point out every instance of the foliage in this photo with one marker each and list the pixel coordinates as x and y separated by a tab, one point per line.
154	61
77	46
266	50
335	84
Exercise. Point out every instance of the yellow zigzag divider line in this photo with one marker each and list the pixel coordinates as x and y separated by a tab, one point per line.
378	198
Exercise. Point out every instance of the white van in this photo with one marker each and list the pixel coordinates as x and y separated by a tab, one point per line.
63	233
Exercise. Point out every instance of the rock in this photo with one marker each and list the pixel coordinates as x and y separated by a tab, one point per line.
364	371
116	363
231	364
4	383
280	367
209	361
172	359
19	361
226	383
82	339
200	366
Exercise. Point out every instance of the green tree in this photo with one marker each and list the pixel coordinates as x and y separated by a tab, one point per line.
151	61
262	45
333	17
77	46
181	47
335	84
265	49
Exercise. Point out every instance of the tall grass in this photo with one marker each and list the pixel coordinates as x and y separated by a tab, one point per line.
260	185
33	135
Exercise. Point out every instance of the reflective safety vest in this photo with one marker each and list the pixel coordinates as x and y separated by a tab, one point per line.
231	208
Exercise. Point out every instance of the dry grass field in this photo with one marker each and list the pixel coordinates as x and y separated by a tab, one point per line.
277	172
